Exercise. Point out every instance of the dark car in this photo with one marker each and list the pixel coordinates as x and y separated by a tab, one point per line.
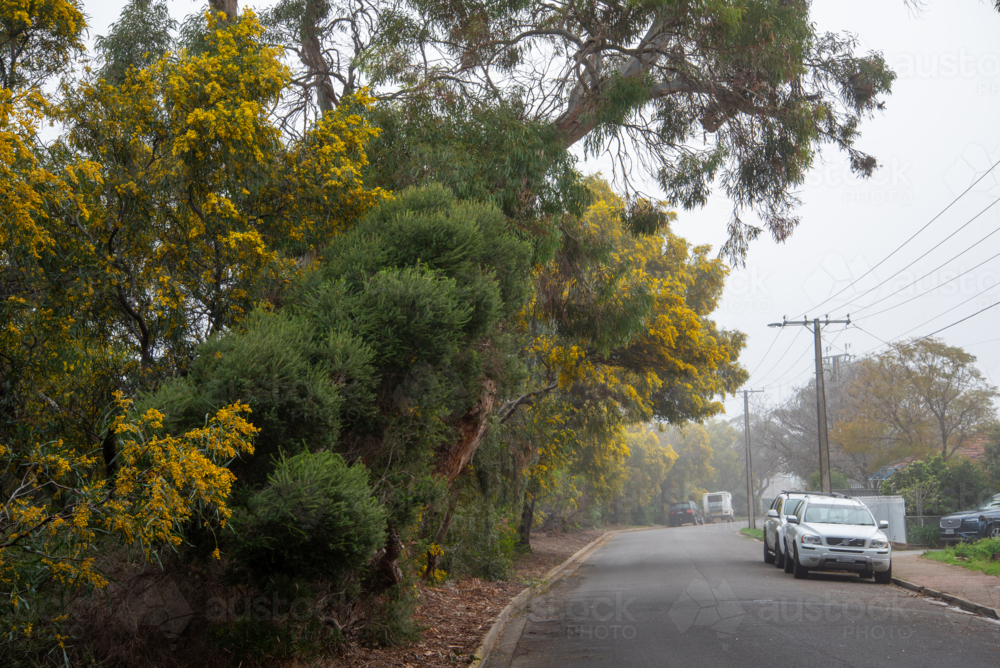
685	512
983	521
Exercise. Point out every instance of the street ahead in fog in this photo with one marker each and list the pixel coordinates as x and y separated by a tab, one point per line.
702	596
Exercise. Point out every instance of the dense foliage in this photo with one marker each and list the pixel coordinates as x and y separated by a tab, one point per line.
328	329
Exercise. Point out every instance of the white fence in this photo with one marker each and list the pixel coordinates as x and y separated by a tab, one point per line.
891	509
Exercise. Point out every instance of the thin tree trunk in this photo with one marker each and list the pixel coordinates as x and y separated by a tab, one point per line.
527	519
434	557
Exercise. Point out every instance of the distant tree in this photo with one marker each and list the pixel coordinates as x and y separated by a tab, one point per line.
692	471
916	398
647	466
837	480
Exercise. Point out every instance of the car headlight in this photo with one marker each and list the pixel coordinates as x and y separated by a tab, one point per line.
971	520
812	540
879	543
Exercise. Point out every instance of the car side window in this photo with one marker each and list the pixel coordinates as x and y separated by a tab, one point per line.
792	506
777	504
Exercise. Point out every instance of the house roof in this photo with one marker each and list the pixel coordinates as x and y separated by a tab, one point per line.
973	449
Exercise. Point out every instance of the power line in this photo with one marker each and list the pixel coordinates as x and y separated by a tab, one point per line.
900	247
958	322
944	312
784	354
799	375
936	287
871	335
761	362
936	246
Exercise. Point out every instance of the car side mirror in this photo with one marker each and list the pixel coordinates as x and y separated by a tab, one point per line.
791	519
772	513
883	524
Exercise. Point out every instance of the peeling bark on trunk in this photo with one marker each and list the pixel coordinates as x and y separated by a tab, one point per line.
472	427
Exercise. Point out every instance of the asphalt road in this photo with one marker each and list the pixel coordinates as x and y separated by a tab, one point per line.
702	596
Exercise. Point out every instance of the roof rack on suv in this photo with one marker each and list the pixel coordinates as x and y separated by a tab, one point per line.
833	494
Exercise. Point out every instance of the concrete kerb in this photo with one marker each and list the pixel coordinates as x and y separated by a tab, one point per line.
968	606
564	569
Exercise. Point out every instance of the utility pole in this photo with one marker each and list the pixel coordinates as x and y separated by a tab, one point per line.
824	444
751	510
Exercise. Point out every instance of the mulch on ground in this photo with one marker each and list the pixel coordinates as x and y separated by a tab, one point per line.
457	615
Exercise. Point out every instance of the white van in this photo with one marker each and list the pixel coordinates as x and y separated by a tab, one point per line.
718	506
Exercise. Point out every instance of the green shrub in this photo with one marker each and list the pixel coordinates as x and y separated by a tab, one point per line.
261	642
981	550
315	518
928	535
389	620
481	542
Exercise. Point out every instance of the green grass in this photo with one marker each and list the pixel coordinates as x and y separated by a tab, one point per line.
753	533
974	556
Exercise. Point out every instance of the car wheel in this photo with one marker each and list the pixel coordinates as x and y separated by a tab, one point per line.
799	571
789	558
779	556
768	555
884	578
993	531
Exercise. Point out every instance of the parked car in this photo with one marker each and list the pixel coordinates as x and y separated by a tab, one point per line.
718	506
774	526
983	521
835	533
685	512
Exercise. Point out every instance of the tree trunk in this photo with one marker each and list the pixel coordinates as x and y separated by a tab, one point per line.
472	429
109	450
312	57
228	6
527	519
434	557
385	561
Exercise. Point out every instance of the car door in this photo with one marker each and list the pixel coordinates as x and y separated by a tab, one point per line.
771	525
790	506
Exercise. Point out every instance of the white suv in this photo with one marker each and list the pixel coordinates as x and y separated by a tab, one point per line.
836	534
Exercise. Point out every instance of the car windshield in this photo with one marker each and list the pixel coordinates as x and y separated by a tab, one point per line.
989	503
838	514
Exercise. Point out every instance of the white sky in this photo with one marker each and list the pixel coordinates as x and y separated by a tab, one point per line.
939	132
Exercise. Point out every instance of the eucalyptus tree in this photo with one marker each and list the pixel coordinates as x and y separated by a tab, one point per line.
734	94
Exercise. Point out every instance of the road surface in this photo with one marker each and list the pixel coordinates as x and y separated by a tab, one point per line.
702	596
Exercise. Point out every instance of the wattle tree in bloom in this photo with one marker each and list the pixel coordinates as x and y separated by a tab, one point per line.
166	210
